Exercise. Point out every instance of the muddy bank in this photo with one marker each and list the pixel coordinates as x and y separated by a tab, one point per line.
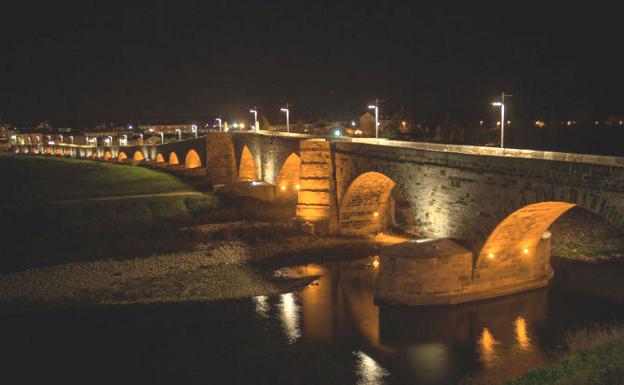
228	260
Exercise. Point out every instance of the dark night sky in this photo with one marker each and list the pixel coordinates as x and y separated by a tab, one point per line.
96	60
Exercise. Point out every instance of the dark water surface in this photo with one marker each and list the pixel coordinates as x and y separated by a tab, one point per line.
329	333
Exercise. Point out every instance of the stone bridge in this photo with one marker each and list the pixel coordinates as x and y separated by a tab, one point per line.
496	205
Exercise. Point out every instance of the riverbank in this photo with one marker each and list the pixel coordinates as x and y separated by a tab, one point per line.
595	357
228	260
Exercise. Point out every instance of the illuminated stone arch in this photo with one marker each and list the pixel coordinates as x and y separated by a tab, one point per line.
68	151
58	151
94	154
192	159
517	236
366	206
288	177
107	155
122	156
173	158
247	169
138	156
159	158
48	150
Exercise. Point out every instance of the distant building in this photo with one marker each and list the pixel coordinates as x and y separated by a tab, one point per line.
167	129
4	136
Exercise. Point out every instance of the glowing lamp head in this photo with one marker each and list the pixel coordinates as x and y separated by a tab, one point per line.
297	187
491	255
283	187
372	107
241	125
284	109
525	250
497	104
337	132
376	214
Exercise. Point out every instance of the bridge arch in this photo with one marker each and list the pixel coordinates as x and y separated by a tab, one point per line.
58	151
48	150
247	169
517	236
122	156
288	178
371	204
138	156
192	159
94	154
173	158
159	158
107	155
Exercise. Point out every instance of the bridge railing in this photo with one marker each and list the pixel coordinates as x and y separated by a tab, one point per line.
495	151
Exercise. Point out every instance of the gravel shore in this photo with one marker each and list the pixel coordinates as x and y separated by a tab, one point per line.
229	260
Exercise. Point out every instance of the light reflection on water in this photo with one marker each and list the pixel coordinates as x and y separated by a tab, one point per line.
262	305
368	371
433	345
290	317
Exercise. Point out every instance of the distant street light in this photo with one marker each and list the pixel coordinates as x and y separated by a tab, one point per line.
179	132
376	108
286	110
194	129
219	120
501	104
71	138
141	136
162	138
255	112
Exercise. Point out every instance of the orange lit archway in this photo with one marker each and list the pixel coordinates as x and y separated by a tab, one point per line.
173	158
94	155
365	207
160	159
107	155
122	156
58	151
138	156
192	160
48	150
247	169
520	232
288	178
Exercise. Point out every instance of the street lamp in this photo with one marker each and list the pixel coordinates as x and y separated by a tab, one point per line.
179	133
194	129
287	112
376	108
255	112
219	120
162	138
501	104
71	138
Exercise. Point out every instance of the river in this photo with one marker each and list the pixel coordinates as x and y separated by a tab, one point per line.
330	332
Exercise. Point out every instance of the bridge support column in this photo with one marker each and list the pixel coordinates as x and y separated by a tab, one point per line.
316	200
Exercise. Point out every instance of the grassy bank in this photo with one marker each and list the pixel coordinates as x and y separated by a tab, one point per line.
57	210
582	235
30	179
595	357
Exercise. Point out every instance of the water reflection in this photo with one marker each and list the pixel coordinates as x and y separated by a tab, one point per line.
368	371
290	317
487	345
262	305
521	334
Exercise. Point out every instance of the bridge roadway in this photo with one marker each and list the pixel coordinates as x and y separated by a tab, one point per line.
496	203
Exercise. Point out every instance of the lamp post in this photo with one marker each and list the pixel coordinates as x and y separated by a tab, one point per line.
286	110
194	129
220	121
376	108
255	112
71	139
162	138
179	133
141	136
501	104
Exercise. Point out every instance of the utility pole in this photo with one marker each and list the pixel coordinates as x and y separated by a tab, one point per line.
501	104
